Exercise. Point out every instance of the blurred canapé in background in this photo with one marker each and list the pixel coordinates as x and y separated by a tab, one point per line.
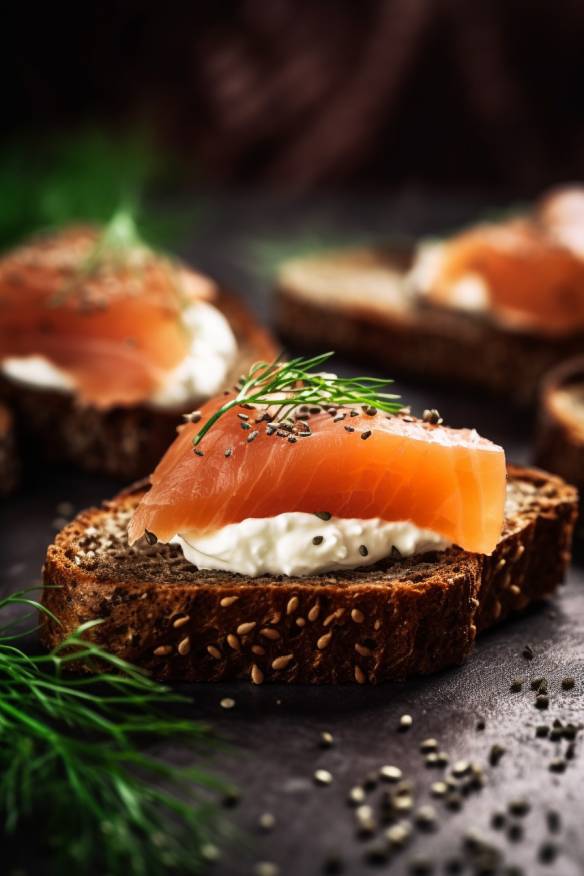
300	94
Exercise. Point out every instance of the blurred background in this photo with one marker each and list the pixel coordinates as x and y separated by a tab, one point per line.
311	94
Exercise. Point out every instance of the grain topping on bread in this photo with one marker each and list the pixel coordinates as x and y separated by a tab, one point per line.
397	618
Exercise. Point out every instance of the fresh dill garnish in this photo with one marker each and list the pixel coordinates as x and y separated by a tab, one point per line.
289	385
118	245
83	175
75	777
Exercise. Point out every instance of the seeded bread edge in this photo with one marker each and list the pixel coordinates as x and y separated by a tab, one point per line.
423	340
394	620
123	442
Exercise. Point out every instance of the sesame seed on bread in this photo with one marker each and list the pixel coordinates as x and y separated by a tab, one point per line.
388	621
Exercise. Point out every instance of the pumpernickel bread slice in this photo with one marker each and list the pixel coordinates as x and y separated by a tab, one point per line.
123	442
9	468
357	303
397	618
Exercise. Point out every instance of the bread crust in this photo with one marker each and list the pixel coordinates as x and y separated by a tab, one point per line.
9	467
559	436
122	442
424	340
386	622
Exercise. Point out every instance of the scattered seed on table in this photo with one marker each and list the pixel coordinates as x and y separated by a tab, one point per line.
266	821
390	773
542	701
227	703
454	802
405	722
210	852
516	685
370	781
356	796
403	804
231	798
377	854
428	745
498	820
461	768
547	853
442	759
439	789
481	724
323	777
519	807
398	834
557	765
554	821
495	754
326	739
568	683
542	730
515	832
528	652
425	817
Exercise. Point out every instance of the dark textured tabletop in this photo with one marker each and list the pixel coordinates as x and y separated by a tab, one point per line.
529	815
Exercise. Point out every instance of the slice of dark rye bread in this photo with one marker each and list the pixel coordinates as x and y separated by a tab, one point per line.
388	621
355	302
9	468
124	442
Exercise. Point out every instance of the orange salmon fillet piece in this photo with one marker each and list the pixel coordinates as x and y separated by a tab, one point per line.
449	480
533	280
116	331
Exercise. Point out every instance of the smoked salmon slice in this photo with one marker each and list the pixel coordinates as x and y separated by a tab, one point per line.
531	279
345	463
111	323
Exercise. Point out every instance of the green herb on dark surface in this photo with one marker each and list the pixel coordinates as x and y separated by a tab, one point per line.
75	776
82	177
289	385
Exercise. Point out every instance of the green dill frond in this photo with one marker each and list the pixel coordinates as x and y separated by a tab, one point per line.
83	176
287	385
75	770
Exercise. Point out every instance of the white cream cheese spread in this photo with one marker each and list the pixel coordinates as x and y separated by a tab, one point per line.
470	292
201	374
300	544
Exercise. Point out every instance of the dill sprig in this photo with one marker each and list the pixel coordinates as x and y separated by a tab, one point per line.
118	245
288	385
73	764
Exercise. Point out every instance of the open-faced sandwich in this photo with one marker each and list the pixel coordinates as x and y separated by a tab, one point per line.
500	298
560	425
9	468
104	342
307	529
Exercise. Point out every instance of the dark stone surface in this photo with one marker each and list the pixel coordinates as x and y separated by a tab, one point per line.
275	730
